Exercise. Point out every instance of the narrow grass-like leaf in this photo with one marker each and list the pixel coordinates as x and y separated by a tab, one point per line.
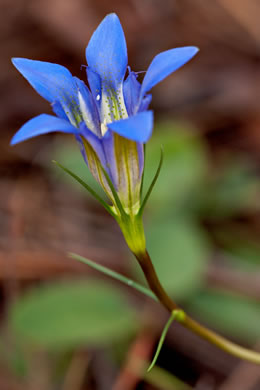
152	184
115	275
162	338
87	187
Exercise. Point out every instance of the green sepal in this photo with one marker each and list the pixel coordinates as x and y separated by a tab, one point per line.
149	191
130	225
115	195
142	182
87	187
133	232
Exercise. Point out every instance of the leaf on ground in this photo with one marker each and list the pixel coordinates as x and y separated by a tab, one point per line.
66	314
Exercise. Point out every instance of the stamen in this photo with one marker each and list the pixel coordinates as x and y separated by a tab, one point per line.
103	129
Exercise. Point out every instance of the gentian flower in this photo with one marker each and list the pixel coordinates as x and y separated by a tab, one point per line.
109	117
111	121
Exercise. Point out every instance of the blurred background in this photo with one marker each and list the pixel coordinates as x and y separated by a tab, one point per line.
64	326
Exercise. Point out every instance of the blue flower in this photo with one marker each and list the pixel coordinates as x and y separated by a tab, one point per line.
109	117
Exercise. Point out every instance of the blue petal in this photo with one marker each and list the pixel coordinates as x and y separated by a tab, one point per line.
93	153
58	110
131	90
81	147
137	128
164	64
95	142
42	124
51	81
106	52
111	163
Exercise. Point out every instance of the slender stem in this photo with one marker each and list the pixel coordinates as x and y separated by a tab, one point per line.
221	342
155	285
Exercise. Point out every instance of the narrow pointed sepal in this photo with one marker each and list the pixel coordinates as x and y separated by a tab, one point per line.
150	189
117	202
87	187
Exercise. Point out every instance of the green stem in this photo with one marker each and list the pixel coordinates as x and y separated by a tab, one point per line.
221	342
154	283
224	344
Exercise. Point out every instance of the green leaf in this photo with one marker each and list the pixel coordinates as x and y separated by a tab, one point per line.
115	275
236	316
161	341
66	314
179	251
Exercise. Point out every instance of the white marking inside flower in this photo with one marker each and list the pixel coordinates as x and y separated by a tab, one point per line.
103	128
112	105
87	117
71	118
98	97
